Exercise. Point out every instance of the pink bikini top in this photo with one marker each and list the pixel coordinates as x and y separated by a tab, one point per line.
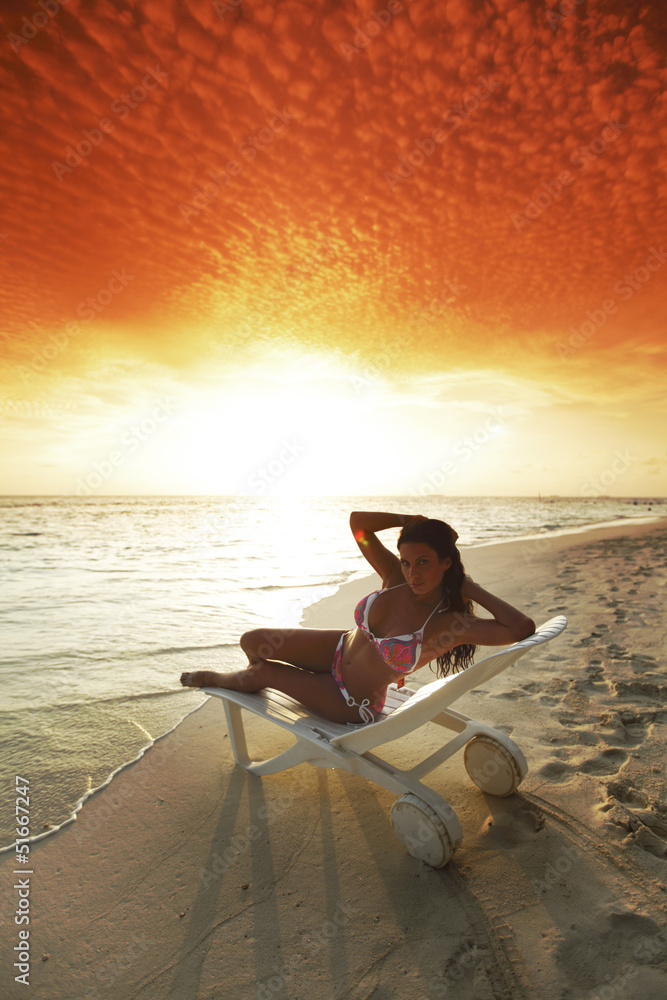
400	652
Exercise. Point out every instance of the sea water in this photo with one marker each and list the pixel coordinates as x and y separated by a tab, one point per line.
106	600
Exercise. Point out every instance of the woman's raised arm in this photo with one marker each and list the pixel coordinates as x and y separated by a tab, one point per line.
508	625
364	524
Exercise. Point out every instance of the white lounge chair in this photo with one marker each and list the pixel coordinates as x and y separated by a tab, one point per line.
422	819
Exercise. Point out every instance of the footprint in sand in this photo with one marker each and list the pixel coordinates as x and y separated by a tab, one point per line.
518	825
641	689
590	639
556	771
607	762
626	794
642	663
554	688
575	733
600	943
626	810
626	728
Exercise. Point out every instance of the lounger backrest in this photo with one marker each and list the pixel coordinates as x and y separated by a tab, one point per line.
434	698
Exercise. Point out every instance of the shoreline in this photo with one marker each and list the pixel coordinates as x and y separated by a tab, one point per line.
351	592
618	522
185	871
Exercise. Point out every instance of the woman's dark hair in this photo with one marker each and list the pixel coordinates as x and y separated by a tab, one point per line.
441	537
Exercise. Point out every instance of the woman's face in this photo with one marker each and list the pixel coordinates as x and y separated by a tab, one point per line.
422	567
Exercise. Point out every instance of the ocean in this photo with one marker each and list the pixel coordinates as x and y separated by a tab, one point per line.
106	600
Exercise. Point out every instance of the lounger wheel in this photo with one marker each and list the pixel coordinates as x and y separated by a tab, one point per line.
492	767
425	834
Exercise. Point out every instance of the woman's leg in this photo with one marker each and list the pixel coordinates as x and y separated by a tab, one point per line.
306	676
315	689
309	648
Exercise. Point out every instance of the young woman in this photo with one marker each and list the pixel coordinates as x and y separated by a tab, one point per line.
422	613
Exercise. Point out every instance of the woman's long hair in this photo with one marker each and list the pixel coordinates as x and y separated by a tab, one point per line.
441	537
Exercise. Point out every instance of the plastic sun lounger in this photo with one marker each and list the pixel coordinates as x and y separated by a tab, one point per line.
423	820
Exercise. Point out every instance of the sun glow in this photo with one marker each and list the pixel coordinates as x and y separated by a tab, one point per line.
262	439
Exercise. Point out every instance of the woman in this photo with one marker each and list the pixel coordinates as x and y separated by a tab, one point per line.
422	613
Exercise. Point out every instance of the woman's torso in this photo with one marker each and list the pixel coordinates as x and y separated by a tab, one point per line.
389	615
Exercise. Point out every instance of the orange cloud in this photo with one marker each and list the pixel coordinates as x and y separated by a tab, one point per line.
511	154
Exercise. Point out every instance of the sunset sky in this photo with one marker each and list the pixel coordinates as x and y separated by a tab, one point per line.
334	247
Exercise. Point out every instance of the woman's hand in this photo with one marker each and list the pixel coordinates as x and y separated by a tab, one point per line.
467	585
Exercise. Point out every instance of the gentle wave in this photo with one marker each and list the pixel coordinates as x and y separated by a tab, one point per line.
124	698
71	818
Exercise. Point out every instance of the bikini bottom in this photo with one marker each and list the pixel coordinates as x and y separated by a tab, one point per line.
366	710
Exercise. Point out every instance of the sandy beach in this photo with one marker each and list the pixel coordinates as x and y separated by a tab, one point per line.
188	878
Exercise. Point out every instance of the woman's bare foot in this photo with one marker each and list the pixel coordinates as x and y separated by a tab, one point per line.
237	680
202	678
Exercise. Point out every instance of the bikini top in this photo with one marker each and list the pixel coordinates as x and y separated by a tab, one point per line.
400	652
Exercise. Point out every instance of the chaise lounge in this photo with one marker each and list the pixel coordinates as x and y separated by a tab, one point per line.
422	819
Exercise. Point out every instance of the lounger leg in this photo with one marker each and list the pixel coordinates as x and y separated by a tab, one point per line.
298	753
301	751
236	733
